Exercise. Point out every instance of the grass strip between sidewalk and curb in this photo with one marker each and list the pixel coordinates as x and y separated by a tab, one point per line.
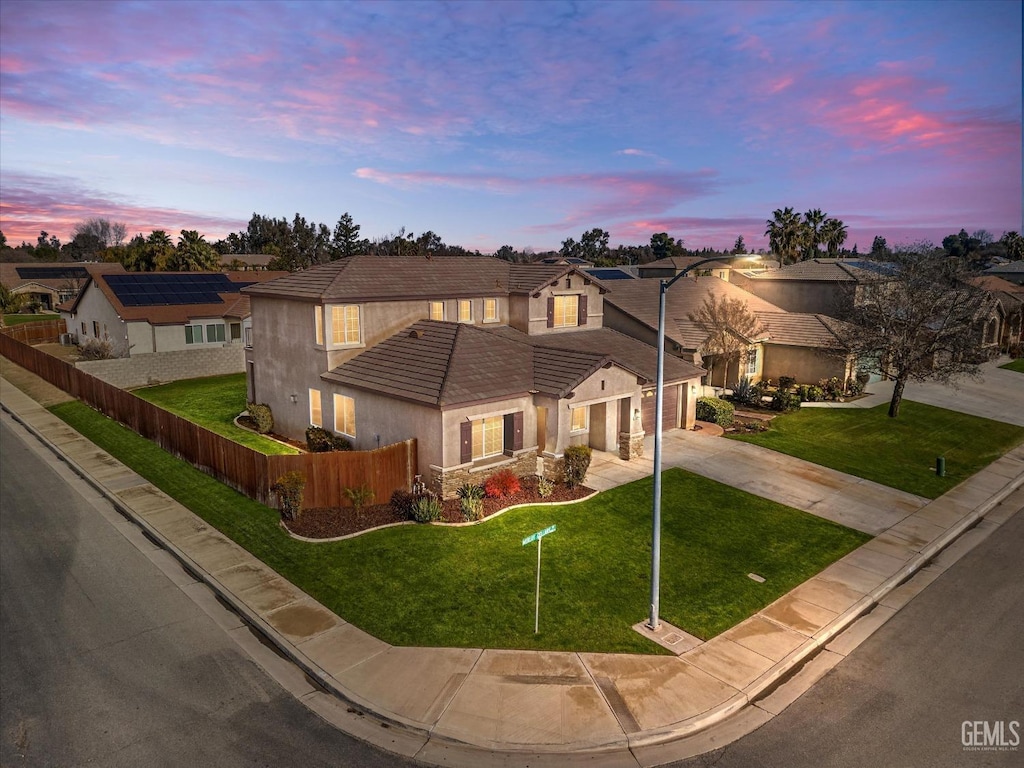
474	587
900	453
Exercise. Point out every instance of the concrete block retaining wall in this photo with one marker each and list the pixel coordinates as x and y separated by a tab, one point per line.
160	367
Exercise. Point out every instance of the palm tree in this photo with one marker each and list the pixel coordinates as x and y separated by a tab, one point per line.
833	234
193	253
786	234
814	218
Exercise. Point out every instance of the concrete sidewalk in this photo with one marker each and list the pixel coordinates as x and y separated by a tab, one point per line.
474	707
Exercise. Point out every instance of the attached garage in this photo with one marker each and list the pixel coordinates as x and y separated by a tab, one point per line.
670	408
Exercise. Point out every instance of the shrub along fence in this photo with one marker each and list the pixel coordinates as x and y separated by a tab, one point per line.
250	472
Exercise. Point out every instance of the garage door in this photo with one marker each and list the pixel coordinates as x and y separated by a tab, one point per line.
668	415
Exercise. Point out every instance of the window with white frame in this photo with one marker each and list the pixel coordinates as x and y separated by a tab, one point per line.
567	311
465	311
752	361
579	419
488	437
318	324
248	336
345	325
193	334
437	310
490	310
316	412
345	415
215	332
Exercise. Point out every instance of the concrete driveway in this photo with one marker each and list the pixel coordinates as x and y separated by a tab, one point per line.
997	395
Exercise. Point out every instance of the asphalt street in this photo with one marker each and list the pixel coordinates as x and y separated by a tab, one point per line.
107	662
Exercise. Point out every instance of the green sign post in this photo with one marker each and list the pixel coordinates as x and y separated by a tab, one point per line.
539	538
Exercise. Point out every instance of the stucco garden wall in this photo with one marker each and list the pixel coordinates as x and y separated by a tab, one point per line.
161	367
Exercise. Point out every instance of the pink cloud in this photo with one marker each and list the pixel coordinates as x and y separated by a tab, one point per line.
32	203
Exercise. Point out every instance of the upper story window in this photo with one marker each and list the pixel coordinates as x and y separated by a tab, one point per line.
345	325
318	322
248	336
567	311
490	310
437	310
465	311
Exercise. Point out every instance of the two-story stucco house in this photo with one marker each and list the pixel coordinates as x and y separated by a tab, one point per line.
487	363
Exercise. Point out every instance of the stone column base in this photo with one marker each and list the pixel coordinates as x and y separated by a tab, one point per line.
631	445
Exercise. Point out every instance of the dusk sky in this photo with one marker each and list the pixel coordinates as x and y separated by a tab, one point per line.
518	123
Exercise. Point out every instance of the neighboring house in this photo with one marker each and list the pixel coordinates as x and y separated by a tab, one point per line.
604	274
563	261
246	262
822	286
671	266
1005	326
49	284
794	344
149	312
1012	272
487	363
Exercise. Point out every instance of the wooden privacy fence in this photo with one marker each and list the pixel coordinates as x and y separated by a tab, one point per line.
37	331
250	472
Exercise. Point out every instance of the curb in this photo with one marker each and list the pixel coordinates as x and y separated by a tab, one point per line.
768	682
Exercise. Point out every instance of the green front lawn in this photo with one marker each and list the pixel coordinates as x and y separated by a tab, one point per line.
474	587
1015	365
19	319
898	452
212	402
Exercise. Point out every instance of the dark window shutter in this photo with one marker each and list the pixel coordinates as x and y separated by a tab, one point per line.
466	440
551	311
583	309
514	431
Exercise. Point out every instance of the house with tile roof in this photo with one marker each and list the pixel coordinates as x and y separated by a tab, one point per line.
488	364
670	266
1006	324
49	284
141	313
794	344
821	286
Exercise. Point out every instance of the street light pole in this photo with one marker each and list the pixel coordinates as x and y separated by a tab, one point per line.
654	623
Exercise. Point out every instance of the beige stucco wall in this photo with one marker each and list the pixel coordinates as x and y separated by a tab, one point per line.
811	296
806	365
530	315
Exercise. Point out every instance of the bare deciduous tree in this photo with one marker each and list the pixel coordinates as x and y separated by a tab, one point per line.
730	327
110	233
916	319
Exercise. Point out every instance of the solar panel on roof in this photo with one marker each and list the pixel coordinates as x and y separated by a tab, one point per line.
52	273
150	289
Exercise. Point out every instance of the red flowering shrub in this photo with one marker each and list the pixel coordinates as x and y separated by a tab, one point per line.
502	483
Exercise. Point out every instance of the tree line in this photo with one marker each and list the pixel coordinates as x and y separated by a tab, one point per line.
298	243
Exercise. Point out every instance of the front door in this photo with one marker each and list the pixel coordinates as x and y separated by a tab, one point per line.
542	429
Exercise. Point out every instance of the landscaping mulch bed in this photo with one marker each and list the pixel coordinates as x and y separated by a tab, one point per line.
331	522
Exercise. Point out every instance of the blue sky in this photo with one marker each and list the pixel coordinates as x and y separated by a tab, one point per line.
519	122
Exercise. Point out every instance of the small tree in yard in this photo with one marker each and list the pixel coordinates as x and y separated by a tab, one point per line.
288	488
576	462
360	497
729	327
917	320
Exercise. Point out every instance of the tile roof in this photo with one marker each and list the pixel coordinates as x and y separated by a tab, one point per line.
445	363
831	270
227	305
682	262
1010	268
639	299
393	278
15	274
